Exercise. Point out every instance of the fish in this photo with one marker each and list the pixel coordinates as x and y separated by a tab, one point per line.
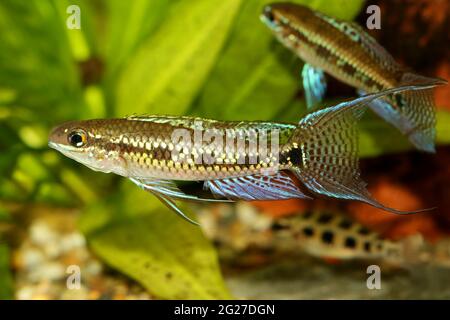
331	234
233	160
344	50
326	233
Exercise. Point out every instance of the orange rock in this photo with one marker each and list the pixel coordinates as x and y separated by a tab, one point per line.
443	92
332	260
281	208
420	223
389	194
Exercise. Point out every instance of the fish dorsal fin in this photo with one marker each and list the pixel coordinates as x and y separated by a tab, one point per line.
256	187
169	189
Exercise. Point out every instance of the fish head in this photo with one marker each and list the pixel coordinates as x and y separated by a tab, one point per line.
286	20
90	143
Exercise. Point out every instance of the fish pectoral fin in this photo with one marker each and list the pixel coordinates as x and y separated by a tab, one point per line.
279	186
314	85
169	189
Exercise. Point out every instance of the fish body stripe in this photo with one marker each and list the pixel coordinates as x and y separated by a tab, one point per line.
339	52
148	149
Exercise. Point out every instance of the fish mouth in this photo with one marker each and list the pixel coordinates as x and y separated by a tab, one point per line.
53	145
66	150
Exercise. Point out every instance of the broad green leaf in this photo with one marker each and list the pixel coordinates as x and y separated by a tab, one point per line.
377	137
128	24
6	282
4	215
169	68
136	234
36	61
255	76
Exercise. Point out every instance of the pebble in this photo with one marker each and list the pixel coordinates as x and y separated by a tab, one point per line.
41	264
31	258
41	233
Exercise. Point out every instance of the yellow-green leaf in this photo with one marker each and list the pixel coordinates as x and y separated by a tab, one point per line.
165	74
140	17
377	137
6	282
256	76
168	256
136	234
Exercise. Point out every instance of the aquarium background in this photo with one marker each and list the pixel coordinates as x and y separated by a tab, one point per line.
209	58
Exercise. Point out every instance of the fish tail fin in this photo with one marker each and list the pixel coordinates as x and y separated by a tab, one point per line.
420	109
323	151
413	112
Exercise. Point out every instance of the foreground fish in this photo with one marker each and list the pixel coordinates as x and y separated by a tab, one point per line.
345	51
156	151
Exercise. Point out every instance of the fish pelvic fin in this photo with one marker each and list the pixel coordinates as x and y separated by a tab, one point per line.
173	206
325	150
165	191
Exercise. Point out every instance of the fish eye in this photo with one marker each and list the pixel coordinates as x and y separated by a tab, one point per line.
77	138
268	13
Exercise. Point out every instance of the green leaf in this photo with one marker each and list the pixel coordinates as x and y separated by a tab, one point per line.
6	282
256	76
136	234
141	18
377	137
36	62
167	71
4	215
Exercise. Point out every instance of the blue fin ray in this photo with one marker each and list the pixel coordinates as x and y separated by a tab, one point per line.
256	187
314	85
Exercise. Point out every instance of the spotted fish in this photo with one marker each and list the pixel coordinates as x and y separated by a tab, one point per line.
230	159
324	233
344	50
329	234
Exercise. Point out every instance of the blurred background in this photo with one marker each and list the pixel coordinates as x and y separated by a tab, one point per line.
209	58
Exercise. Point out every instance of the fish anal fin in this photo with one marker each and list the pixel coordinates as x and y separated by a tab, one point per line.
279	186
